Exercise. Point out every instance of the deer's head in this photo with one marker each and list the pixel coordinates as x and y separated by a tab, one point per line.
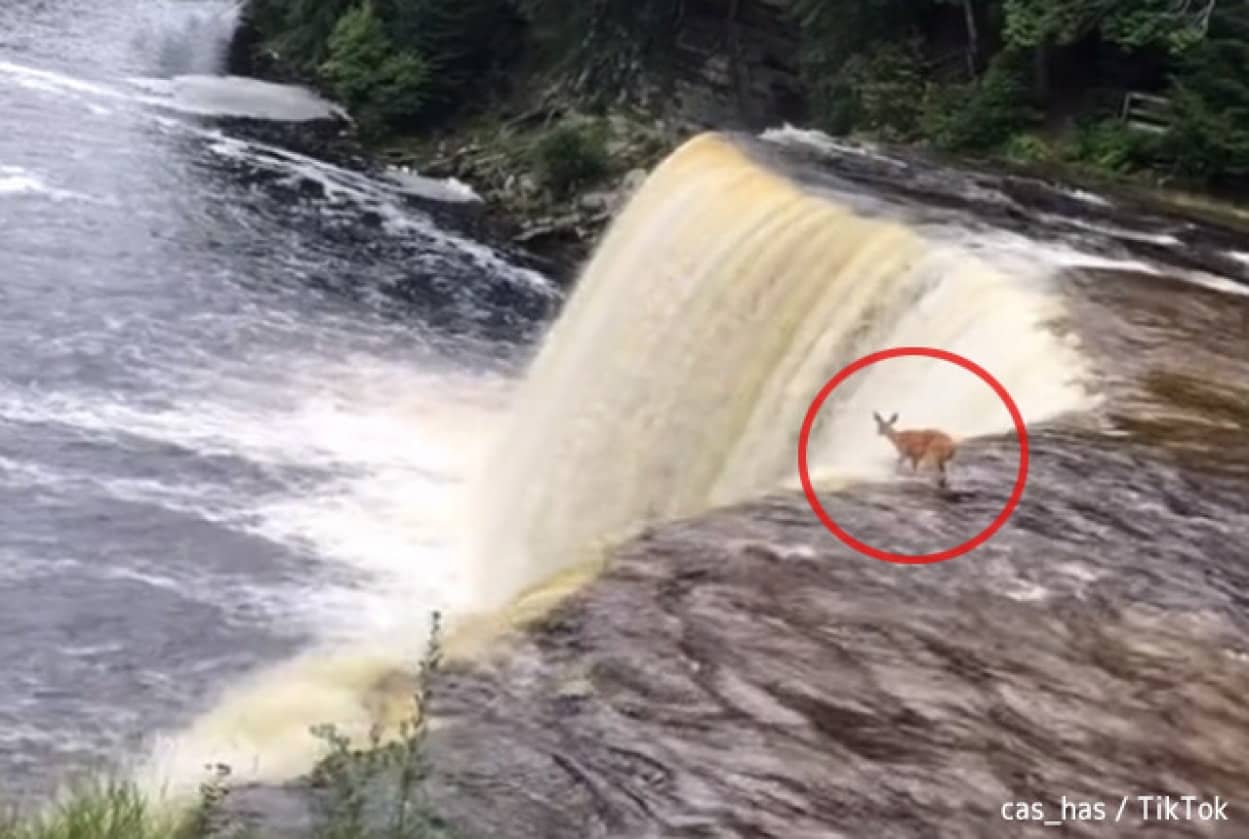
882	427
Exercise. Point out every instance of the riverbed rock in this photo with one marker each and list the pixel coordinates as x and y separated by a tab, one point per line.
745	674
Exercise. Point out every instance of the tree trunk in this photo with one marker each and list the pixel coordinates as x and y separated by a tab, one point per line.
736	63
973	38
1041	70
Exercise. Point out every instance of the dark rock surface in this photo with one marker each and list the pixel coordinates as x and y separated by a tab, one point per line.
746	675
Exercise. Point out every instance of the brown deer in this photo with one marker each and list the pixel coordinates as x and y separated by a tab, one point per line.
920	446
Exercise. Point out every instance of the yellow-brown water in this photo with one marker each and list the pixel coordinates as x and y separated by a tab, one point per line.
717	305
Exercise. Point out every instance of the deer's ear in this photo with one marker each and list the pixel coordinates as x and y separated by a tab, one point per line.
876	417
893	418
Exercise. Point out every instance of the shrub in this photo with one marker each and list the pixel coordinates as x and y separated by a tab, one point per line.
382	86
983	114
1028	148
1209	137
882	90
569	156
1111	146
466	43
354	781
120	810
299	29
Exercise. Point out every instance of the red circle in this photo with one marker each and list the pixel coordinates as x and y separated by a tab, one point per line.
914	559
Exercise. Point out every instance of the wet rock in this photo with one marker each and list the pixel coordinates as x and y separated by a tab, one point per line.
744	674
278	812
598	202
747	675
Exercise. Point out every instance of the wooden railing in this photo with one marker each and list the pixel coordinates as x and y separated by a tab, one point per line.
1146	112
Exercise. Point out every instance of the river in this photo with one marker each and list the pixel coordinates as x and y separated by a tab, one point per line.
230	376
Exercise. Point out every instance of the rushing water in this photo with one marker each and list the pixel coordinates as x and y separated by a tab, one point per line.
242	392
236	384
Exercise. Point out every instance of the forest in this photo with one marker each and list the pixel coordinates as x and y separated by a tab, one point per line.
1029	80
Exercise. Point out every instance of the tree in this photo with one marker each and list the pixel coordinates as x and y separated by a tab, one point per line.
1040	25
381	84
1209	137
464	42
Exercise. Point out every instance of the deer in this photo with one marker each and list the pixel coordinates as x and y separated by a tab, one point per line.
925	445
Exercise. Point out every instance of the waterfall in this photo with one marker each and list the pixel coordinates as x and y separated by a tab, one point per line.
718	303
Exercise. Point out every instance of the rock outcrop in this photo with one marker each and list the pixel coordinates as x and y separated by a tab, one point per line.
744	674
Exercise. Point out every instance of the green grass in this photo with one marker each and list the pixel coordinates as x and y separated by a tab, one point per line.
109	810
374	791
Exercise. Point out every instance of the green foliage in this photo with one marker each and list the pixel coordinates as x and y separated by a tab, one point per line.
119	810
890	67
394	63
466	43
381	85
882	91
601	47
983	114
300	29
1152	23
376	792
1132	24
1210	98
570	155
862	64
1031	23
1028	148
1111	146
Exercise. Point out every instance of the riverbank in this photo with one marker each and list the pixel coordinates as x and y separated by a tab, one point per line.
552	177
552	114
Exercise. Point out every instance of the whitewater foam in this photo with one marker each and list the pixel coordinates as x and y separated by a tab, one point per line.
236	96
1115	231
50	81
1088	197
394	446
16	182
382	197
188	36
446	189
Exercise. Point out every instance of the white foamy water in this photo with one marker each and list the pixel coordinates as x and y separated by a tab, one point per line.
448	189
15	182
818	140
203	95
234	96
242	392
392	444
1021	257
961	307
49	81
339	183
1088	197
